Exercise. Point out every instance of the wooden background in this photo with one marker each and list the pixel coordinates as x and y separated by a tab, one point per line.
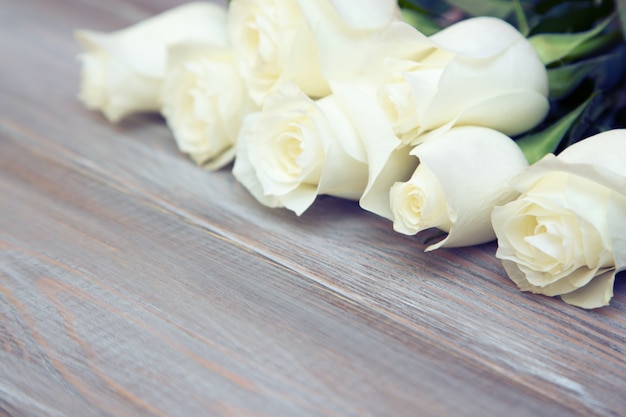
134	283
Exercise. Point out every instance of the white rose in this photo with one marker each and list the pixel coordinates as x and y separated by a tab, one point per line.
204	102
284	41
354	42
566	234
484	72
496	79
297	148
123	71
273	46
461	176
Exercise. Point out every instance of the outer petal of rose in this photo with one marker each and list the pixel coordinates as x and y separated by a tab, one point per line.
346	51
221	160
123	71
300	68
551	163
244	171
473	165
488	49
511	113
495	113
345	169
386	164
473	84
143	46
516	275
490	36
370	14
598	291
607	150
596	294
617	228
599	158
616	218
300	199
111	87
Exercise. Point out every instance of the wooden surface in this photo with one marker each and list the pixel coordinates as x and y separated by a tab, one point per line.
134	283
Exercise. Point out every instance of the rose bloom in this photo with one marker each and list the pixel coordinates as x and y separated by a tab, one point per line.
483	72
123	71
273	45
204	102
276	41
461	176
566	234
480	72
296	148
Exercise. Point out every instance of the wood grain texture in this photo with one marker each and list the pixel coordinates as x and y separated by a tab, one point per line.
134	283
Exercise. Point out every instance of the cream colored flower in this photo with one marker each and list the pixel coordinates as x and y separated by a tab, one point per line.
204	102
354	42
461	176
419	203
495	80
274	45
295	149
123	71
566	234
285	41
480	72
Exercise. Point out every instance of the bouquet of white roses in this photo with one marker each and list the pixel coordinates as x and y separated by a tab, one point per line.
430	114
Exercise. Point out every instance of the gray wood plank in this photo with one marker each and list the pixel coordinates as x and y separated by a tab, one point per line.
135	283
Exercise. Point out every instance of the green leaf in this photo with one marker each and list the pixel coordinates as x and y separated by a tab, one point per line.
598	43
522	21
495	8
420	21
427	7
621	10
552	47
560	16
564	79
537	145
412	5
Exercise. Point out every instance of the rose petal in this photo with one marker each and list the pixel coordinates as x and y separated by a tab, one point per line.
511	113
244	170
490	36
515	78
616	219
596	294
349	49
143	46
599	158
473	165
606	150
345	166
379	143
370	14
